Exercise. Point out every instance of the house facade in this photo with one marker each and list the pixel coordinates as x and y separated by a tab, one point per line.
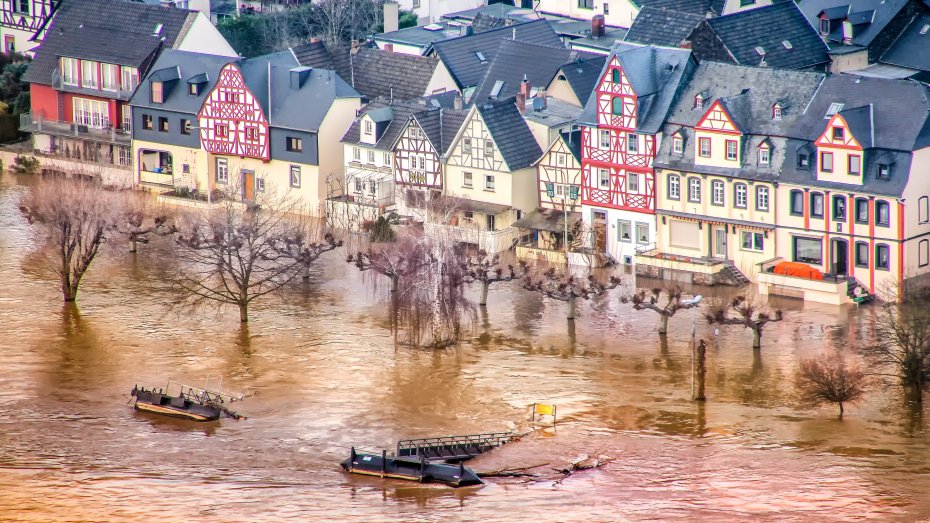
21	20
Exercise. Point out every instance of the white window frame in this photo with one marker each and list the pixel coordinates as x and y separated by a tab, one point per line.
694	190
732	150
717	190
678	144
756	241
109	81
603	178
129	78
489	182
467	179
604	139
222	170
674	187
90	74
69	71
764	156
632	143
92	113
632	182
295	176
762	198
740	196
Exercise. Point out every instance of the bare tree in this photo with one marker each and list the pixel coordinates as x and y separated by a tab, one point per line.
237	253
304	240
742	311
342	21
902	337
138	217
488	270
74	215
673	304
569	288
828	379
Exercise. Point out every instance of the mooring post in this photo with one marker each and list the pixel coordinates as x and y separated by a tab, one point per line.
383	462
352	456
422	467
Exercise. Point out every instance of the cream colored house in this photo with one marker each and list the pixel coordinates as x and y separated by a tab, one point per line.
619	13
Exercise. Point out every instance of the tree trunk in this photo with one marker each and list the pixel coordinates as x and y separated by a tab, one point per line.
571	307
757	338
663	324
244	312
132	244
701	371
306	272
841	410
484	293
394	284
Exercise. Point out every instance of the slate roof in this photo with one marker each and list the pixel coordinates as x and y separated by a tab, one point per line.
657	75
662	26
421	37
603	43
743	32
439	125
515	60
582	75
483	22
499	10
460	54
511	135
89	29
697	7
911	48
313	54
186	66
837	10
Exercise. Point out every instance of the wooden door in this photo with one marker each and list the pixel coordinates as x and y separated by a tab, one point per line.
9	44
720	242
600	231
248	186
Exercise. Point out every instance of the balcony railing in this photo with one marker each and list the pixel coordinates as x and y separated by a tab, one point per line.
491	241
831	289
112	135
58	83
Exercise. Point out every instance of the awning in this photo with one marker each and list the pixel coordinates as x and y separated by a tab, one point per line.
547	220
715	219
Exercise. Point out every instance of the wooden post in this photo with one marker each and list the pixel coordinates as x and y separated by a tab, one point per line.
383	462
701	370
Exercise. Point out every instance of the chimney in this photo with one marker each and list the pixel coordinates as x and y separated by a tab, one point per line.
521	103
299	75
597	26
525	88
457	102
391	17
542	95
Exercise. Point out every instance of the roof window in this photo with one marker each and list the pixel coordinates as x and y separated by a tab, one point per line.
481	57
157	30
433	27
924	29
834	108
787	44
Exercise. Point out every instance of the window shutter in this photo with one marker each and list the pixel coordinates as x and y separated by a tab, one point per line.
573	192
550	189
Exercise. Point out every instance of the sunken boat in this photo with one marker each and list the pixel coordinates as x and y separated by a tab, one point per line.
413	468
190	403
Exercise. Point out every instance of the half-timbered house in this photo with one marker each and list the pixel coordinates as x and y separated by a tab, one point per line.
621	130
21	20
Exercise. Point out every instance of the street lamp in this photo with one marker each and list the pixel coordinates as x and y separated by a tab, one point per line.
693	302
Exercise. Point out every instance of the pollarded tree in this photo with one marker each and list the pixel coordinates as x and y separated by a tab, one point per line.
829	379
569	288
673	304
304	241
74	215
741	311
138	217
488	270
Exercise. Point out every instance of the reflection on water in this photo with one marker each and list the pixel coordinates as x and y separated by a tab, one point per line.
324	374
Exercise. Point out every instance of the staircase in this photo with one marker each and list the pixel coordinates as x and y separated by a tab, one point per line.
731	272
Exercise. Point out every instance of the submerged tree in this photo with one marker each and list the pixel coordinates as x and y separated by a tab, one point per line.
673	304
828	379
487	270
741	311
305	240
569	288
137	218
74	215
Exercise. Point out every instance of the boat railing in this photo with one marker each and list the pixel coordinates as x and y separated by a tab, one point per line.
452	447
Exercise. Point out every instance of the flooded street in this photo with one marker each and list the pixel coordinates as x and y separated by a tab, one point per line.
326	375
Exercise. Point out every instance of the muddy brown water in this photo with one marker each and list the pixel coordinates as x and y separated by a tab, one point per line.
326	375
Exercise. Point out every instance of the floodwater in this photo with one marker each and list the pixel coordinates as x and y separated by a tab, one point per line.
326	375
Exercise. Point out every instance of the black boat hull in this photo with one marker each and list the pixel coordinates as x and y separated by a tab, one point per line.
410	470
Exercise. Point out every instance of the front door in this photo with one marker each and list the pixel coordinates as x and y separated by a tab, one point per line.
248	186
840	257
720	242
9	44
600	231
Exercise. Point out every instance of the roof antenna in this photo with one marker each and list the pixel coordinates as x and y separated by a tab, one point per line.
514	33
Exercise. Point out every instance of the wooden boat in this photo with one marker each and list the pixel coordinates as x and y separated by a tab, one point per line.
190	403
410	468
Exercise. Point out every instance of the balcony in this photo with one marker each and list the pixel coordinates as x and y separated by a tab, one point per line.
490	241
654	263
28	124
813	286
58	83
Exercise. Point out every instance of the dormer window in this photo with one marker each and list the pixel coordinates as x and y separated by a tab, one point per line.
158	93
834	108
678	144
838	134
764	154
776	112
804	161
884	171
699	101
368	126
193	89
824	26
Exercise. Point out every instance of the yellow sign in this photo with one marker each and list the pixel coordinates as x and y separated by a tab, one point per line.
545	410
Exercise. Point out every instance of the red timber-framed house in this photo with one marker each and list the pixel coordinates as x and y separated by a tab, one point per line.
21	20
232	122
92	57
620	132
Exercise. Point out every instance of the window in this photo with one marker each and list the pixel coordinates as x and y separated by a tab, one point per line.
69	71
854	166
294	145
489	149
222	130
108	79
678	145
127	118
466	180
716	192
624	230
762	198
186	168
147	121
371	156
295	176
862	254
882	257
694	190
740	195
826	162
260	184
158	93
550	189
356	154
616	105
884	171
744	3
632	143
251	133
839	207
466	146
603	176
89	74
803	161
22	6
684	234
586	4
222	171
882	213
559	159
367	126
373	188
816	205
838	133
416	4
615	76
923	209
923	253
698	101
129	78
185	126
674	187
642	232
704	145
92	113
606	8
862	210
731	149
573	192
824	26
808	250
752	241
387	160
163	124
359	186
797	203
605	139
489	182
632	182
194	89
764	155
423	162
124	155
776	112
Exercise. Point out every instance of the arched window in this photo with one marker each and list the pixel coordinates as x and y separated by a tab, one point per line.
617	105
882	213
882	257
923	209
839	207
615	76
797	203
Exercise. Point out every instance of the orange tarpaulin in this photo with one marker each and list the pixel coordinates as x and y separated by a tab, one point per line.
800	270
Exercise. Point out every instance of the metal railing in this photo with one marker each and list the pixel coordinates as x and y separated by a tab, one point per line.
120	93
452	447
110	134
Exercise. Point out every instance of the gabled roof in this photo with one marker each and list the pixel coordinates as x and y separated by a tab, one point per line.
910	49
858	12
399	113
794	45
110	31
662	26
461	55
440	126
187	65
697	7
738	107
656	74
515	60
582	75
860	120
483	22
314	54
511	135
